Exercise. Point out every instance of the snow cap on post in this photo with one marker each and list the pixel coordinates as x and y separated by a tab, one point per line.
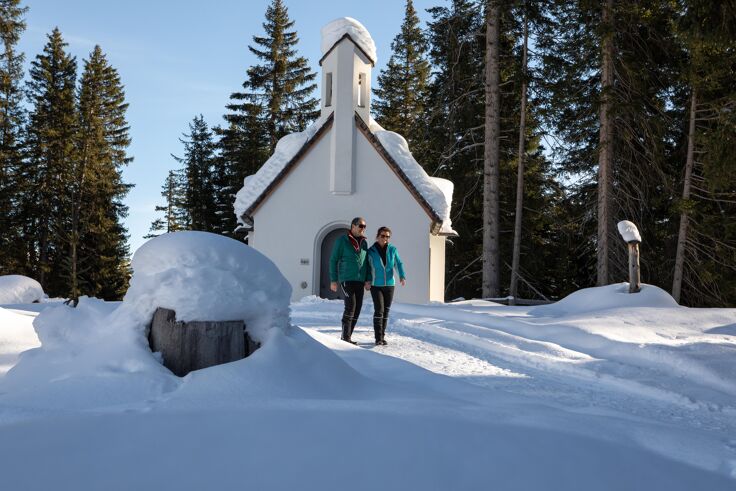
334	31
628	231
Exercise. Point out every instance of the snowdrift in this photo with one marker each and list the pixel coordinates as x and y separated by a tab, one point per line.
607	297
17	289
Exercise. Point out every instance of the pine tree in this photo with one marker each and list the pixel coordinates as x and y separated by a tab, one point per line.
198	163
242	147
12	119
51	131
175	216
612	141
705	258
97	237
492	154
454	118
278	91
402	86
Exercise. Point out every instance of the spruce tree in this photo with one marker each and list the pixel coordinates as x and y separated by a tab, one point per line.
630	137
402	86
96	230
198	163
51	132
12	119
242	145
454	116
705	258
175	216
278	91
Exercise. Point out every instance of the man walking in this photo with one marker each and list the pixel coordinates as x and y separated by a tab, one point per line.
348	267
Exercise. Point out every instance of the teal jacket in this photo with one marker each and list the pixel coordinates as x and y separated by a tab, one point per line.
380	273
347	264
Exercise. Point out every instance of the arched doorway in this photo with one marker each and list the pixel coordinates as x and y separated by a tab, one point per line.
324	268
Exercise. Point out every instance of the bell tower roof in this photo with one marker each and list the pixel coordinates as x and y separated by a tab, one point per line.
347	28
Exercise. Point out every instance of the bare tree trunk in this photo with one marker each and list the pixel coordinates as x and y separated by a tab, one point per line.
605	155
684	218
491	156
519	175
43	252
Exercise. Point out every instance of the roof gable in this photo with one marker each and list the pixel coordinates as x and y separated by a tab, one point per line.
265	192
350	38
396	168
273	173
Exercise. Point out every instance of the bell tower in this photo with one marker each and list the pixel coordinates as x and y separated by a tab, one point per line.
346	90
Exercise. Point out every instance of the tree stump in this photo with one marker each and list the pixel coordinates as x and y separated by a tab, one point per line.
188	346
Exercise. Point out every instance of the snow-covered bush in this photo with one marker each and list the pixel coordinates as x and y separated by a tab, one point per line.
16	289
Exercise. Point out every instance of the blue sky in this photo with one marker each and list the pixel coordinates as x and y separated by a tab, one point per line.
180	58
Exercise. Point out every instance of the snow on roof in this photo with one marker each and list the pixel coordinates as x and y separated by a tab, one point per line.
435	191
254	186
628	231
17	289
335	30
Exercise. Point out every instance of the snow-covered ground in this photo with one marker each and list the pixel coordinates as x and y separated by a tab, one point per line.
602	390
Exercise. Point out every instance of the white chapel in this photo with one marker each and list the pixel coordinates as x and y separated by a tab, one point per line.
345	165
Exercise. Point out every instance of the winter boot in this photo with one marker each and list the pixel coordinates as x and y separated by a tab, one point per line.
346	332
378	329
383	331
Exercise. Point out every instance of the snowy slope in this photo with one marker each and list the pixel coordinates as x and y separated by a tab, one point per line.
600	391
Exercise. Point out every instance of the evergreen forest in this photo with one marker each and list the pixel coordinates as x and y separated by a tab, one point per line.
555	120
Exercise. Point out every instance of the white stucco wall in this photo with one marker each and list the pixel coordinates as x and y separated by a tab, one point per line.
288	221
437	268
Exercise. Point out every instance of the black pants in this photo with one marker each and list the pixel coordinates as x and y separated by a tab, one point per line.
353	291
382	297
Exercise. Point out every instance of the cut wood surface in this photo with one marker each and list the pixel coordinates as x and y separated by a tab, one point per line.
188	346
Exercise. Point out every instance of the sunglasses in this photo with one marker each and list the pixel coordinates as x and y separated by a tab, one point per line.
384	236
362	225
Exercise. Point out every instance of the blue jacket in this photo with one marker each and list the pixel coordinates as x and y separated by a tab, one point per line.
381	274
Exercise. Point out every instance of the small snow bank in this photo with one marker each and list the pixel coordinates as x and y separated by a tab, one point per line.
437	192
16	335
85	360
207	277
255	185
332	32
18	289
289	366
97	354
615	296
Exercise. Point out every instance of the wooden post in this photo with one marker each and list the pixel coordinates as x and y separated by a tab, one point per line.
634	276
631	236
188	346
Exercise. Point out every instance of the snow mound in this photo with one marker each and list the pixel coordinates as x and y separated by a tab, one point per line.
615	296
17	289
628	231
208	277
437	192
335	30
286	148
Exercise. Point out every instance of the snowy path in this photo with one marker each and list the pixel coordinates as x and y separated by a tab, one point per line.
568	363
584	394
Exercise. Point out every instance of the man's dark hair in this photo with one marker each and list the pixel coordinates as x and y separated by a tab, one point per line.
357	221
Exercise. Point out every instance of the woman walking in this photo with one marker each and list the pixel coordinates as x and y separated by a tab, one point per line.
383	258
